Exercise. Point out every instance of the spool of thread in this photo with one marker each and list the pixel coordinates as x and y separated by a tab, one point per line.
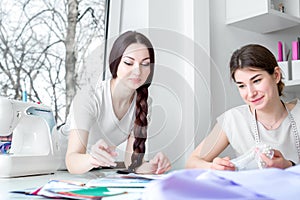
295	50
5	147
280	55
24	96
24	92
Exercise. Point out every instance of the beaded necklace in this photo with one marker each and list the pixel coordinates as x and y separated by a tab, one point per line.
294	129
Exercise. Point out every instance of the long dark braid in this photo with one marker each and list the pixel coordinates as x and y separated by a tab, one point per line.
140	123
140	128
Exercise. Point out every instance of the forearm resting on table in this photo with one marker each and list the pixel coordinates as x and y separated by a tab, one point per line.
78	163
195	161
127	159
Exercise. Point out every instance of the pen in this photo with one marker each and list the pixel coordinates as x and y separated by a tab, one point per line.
71	182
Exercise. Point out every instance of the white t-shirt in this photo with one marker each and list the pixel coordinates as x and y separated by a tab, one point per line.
239	128
92	111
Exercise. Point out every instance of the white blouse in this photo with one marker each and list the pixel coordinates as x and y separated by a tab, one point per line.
92	111
238	125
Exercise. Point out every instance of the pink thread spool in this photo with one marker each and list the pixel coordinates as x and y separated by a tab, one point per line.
280	56
295	50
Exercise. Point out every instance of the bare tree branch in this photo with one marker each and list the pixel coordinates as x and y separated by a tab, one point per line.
43	44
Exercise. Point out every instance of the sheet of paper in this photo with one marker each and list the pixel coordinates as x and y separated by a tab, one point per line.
145	176
118	182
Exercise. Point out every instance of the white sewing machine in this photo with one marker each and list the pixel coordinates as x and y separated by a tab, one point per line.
35	145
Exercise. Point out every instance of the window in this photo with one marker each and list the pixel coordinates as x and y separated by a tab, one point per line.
34	47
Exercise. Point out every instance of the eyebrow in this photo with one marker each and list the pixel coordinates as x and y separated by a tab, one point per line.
252	78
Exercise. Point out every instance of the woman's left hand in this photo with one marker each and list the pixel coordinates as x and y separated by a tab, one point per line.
158	165
162	162
278	161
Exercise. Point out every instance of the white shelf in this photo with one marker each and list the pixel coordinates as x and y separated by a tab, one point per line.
292	86
257	16
291	75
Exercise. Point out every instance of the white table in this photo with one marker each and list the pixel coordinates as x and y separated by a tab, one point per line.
21	183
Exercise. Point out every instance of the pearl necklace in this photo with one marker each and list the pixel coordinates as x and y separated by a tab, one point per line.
294	129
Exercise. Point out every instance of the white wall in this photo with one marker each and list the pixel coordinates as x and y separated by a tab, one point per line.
173	84
203	62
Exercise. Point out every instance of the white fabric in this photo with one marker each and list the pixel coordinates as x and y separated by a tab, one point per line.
239	128
92	111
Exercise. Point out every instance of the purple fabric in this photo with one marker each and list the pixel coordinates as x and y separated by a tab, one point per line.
197	184
210	184
274	183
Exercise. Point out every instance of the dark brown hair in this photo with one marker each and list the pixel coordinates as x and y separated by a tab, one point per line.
141	122
254	56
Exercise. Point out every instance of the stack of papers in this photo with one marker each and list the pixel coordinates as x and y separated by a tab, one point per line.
124	181
86	193
63	189
118	182
109	186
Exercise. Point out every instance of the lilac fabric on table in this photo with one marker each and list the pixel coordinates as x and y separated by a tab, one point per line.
211	184
274	183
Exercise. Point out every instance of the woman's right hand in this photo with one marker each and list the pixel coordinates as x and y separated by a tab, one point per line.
102	154
222	164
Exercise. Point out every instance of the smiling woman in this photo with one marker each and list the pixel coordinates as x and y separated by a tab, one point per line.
264	130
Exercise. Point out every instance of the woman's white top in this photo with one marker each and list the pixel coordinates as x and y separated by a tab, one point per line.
92	111
237	123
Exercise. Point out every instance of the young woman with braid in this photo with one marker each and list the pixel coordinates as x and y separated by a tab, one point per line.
114	111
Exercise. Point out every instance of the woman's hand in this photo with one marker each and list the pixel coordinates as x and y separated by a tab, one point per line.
222	164
102	154
278	161
161	162
158	165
